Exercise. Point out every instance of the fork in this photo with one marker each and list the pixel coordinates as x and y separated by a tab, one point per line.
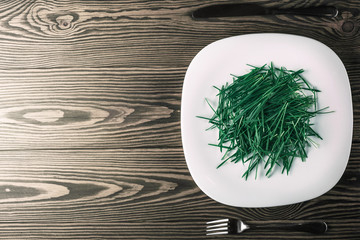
236	226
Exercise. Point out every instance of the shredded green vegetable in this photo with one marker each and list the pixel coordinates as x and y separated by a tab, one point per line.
265	116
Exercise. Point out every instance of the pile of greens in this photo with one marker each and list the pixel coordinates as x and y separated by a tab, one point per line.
265	116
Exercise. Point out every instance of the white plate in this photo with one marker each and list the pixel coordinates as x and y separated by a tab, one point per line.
324	166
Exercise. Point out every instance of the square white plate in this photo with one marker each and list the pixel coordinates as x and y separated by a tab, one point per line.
213	66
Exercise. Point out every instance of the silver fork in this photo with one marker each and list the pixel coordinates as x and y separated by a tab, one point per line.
236	226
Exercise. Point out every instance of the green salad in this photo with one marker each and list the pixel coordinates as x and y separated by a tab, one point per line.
265	117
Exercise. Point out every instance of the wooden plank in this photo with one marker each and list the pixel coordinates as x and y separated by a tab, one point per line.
158	230
134	181
70	34
90	108
85	193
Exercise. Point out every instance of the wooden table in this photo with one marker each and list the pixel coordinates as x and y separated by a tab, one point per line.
90	143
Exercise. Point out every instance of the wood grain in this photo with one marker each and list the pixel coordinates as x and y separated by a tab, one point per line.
90	108
119	34
77	189
90	96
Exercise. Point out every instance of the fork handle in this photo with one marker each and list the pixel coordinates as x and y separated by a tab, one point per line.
310	227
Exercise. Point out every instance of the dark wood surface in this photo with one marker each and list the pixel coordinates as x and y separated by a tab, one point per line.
90	144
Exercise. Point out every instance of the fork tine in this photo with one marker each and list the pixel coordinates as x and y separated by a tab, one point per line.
217	225
217	229
218	221
216	233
